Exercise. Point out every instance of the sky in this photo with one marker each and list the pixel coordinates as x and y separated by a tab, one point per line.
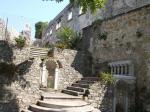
20	12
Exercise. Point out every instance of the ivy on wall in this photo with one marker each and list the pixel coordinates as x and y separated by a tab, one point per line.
102	36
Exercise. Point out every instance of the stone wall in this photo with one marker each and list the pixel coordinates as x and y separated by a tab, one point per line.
22	89
67	72
127	38
101	97
78	22
74	66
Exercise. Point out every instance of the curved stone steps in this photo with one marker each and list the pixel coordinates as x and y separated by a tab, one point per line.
78	89
62	104
87	108
80	85
71	92
36	108
47	96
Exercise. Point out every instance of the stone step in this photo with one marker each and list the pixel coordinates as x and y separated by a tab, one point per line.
86	82
87	108
26	111
36	108
80	85
78	89
59	96
60	104
71	92
91	78
47	90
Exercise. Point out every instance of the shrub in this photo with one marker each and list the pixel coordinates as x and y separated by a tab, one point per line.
102	35
20	41
107	78
67	38
62	45
96	24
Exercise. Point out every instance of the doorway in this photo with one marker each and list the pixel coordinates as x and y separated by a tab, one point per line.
51	67
121	100
121	97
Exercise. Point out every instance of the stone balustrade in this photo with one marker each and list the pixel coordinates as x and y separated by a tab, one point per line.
122	68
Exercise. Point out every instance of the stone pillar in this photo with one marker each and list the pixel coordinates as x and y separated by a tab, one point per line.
115	69
118	69
56	78
41	73
126	69
122	69
111	68
44	76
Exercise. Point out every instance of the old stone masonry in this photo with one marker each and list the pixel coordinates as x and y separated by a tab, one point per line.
110	72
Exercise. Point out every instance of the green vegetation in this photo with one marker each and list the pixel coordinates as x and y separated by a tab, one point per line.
96	24
68	39
102	35
39	27
93	5
21	41
107	78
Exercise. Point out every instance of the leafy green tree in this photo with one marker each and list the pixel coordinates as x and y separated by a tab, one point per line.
93	5
39	27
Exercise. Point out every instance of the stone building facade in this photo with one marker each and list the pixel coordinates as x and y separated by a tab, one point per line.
74	18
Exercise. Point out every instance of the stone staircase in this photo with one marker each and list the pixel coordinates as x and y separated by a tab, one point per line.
70	100
38	52
80	87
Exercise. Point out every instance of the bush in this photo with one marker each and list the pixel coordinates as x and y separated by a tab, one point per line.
107	78
68	38
102	35
20	41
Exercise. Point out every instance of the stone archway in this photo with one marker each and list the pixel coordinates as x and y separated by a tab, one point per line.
51	66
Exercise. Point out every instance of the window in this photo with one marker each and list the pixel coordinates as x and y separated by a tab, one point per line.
58	25
69	15
80	10
51	31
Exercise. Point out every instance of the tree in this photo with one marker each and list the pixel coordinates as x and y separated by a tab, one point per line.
93	5
39	27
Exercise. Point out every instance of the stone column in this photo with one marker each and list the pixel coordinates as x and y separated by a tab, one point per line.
122	69
115	69
56	78
44	76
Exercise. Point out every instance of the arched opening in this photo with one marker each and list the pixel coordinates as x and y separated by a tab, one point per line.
51	66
